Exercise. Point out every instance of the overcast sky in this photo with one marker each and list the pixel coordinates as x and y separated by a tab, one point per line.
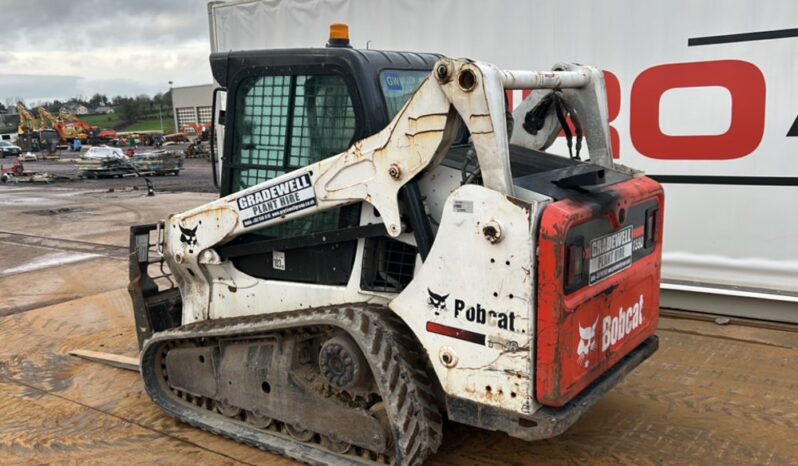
64	48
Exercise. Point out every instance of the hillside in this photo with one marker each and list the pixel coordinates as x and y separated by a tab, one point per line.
103	121
150	122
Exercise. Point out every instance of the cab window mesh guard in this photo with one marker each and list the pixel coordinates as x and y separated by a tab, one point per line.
287	122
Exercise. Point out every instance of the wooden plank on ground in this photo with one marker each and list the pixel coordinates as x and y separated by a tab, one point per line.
116	360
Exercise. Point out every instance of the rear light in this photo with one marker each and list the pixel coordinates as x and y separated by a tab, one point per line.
574	265
651	227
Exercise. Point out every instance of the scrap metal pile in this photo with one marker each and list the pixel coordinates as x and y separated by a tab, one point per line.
17	174
104	161
159	162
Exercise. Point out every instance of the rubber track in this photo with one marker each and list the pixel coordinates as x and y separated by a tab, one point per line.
386	343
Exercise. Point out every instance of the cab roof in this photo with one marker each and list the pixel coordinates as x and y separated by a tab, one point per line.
224	64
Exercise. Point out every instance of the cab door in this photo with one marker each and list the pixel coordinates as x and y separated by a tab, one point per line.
284	118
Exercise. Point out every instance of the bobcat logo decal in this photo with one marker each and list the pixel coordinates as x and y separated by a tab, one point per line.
188	236
587	342
437	301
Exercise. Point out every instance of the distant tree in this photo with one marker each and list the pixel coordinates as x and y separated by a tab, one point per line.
54	106
163	102
144	103
167	98
129	109
2	107
98	100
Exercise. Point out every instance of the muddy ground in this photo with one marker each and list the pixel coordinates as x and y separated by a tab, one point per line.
711	395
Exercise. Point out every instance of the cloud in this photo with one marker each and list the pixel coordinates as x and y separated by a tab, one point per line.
92	23
38	87
79	47
110	87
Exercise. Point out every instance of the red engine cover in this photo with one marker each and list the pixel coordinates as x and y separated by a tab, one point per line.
585	327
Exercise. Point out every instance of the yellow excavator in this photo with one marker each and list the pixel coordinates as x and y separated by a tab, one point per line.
27	122
75	128
33	134
48	120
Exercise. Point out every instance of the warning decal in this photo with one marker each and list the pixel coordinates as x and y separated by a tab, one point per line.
277	200
610	254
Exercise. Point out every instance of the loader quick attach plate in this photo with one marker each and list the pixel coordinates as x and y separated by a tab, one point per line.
598	284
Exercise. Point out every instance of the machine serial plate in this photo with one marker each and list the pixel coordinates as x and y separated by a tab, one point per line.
610	254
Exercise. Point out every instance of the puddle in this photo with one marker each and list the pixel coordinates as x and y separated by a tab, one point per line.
7	199
53	259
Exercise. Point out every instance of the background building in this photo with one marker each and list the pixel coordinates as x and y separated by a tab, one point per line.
192	104
77	109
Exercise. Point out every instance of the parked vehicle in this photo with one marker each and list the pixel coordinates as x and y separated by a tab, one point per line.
8	149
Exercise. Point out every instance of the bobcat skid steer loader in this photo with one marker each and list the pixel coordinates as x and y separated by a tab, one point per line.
384	255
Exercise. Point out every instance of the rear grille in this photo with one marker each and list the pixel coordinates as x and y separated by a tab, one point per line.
388	265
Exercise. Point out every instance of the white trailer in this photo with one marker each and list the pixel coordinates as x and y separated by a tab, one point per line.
701	97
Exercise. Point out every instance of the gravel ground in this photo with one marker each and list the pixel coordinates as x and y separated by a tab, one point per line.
194	177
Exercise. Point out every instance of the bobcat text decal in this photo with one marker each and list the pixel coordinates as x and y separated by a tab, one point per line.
478	314
613	330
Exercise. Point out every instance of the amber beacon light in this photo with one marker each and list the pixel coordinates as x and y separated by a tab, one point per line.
339	35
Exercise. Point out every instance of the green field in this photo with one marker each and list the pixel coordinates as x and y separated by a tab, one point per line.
150	122
153	124
102	121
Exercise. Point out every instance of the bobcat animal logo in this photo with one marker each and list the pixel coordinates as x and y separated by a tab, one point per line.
587	342
188	236
437	301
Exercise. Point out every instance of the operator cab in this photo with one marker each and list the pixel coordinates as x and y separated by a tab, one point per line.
293	107
286	109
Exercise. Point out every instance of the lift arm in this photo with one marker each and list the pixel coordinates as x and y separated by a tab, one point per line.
375	168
